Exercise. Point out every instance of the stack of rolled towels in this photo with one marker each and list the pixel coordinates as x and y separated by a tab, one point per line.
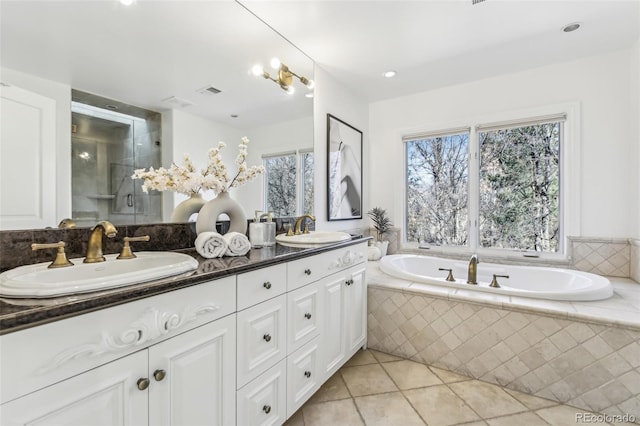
212	244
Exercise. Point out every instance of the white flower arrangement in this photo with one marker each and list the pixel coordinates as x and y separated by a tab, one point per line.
187	180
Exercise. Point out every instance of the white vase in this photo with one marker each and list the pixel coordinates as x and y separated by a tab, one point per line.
183	211
223	203
383	246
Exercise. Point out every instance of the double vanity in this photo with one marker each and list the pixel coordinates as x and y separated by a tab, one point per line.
244	340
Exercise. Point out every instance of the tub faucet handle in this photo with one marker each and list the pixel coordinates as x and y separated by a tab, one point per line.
450	275
494	281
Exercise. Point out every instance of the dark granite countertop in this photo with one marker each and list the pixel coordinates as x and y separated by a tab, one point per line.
18	314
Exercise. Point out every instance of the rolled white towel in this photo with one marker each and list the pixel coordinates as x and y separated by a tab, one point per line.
238	244
211	244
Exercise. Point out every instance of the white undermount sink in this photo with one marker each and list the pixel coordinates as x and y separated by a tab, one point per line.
35	281
312	239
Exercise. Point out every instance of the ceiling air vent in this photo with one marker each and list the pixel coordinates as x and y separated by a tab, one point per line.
476	1
209	90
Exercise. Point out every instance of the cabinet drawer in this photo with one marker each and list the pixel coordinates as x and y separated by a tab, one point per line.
260	285
261	338
304	375
303	316
304	271
263	401
40	356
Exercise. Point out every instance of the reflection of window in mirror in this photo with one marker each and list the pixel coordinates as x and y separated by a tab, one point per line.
109	140
289	183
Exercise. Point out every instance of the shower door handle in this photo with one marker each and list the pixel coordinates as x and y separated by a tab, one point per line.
130	200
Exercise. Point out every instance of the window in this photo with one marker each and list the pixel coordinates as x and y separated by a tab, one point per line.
289	183
492	186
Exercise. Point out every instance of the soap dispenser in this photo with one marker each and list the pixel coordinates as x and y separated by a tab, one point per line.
269	230
257	231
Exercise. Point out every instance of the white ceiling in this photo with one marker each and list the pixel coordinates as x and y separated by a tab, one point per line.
155	49
435	43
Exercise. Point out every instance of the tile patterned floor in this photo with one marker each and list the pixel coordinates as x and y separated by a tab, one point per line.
374	388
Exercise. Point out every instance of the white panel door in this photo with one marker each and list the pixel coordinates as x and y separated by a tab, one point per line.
263	401
333	332
356	310
193	377
303	316
107	396
27	159
304	375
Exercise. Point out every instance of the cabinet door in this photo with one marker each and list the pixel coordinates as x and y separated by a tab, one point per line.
303	316
263	401
334	333
304	376
356	310
107	395
193	376
262	340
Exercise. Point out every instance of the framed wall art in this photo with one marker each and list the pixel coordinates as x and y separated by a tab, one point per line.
344	170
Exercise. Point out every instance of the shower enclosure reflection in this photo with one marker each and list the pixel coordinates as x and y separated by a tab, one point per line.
109	140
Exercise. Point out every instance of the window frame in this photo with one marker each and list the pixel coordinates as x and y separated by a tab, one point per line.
569	185
299	153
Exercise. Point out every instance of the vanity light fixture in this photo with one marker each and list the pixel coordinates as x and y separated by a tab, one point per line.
389	74
284	76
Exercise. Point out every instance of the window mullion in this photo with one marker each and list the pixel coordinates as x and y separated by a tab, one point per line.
474	189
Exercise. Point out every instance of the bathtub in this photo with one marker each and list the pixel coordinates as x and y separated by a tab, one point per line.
525	281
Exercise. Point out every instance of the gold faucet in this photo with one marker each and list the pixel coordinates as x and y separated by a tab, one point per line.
299	223
472	276
94	246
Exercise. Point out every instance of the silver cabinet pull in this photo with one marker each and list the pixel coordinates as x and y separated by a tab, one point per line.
267	337
159	375
267	285
307	315
266	409
307	374
307	271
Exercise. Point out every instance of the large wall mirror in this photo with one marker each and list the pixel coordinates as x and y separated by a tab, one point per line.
189	61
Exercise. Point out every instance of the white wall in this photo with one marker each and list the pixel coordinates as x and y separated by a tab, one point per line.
61	94
601	84
331	97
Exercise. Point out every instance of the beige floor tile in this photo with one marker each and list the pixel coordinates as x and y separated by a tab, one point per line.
527	418
384	357
331	390
560	415
295	420
530	401
387	409
361	358
478	423
440	406
486	399
332	413
367	380
449	376
410	375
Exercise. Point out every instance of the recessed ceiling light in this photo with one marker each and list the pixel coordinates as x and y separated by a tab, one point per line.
126	2
389	74
571	27
234	115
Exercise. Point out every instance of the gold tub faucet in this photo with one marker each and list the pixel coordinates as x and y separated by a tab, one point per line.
472	277
94	246
299	223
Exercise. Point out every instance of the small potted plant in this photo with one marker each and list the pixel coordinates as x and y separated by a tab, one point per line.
382	225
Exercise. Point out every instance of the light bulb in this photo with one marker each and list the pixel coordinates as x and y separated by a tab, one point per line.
257	70
275	63
291	90
126	2
311	84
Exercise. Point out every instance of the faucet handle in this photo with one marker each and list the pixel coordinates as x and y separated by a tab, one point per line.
494	281
61	260
450	275
126	252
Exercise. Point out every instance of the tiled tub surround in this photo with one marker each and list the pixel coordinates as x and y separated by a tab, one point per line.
635	260
585	354
612	257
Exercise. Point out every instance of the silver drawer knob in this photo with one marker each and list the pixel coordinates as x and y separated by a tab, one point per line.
266	409
307	271
143	383
159	375
267	285
307	374
267	337
307	315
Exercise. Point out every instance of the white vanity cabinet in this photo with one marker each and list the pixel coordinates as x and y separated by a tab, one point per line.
247	349
167	359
